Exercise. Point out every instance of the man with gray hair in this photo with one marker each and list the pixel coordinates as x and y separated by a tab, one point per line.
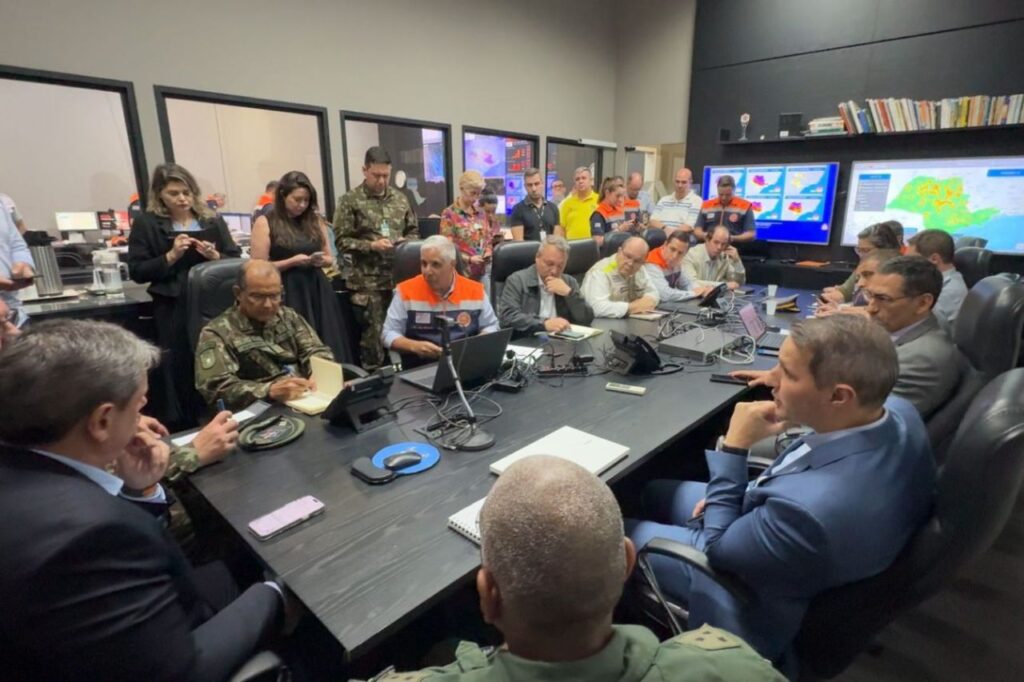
542	298
411	325
554	560
91	587
618	286
835	507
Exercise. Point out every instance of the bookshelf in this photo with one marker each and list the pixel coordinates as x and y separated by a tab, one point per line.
907	133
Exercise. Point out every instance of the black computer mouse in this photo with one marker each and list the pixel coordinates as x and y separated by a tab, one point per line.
402	460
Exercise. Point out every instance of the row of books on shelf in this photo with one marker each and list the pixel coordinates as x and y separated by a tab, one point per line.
902	115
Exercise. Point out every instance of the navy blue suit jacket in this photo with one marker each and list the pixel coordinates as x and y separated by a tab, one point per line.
93	588
840	514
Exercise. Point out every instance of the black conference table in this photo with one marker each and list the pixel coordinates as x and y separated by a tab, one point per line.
381	555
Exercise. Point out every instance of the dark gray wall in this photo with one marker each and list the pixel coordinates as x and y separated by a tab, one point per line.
766	57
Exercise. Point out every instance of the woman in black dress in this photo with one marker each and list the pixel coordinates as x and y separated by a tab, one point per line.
177	230
294	238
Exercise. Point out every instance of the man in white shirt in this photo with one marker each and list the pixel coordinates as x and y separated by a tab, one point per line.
12	210
618	286
678	211
664	269
715	260
938	247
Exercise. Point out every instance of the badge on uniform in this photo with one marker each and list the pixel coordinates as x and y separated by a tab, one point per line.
208	358
733	218
423	318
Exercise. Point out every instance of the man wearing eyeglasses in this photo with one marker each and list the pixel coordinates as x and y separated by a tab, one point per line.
8	328
258	349
900	296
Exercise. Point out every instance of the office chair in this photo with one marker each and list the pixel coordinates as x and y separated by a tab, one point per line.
510	257
975	493
429	227
988	332
583	253
974	263
970	241
407	260
655	237
209	293
263	667
612	242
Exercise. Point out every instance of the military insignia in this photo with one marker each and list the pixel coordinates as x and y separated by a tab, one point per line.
464	319
208	358
709	639
733	218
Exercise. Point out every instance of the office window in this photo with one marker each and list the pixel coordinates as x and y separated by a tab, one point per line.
501	158
235	145
69	144
420	157
565	156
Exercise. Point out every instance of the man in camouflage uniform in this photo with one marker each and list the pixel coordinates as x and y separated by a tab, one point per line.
555	611
258	349
370	220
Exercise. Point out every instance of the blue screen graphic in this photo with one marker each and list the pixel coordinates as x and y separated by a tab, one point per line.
792	202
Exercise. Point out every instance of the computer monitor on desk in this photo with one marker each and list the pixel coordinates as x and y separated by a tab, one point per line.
78	226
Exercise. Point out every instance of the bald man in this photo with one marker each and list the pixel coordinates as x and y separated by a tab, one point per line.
617	286
258	349
554	559
679	210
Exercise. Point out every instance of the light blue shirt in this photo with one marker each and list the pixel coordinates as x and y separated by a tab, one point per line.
394	323
816	440
104	479
954	290
13	249
643	197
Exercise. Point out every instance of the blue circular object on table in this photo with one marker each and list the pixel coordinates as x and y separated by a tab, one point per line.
427	451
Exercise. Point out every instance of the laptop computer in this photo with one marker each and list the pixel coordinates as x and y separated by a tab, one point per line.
476	358
757	329
709	300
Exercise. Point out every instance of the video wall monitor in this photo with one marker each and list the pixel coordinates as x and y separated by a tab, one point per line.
792	202
502	160
968	197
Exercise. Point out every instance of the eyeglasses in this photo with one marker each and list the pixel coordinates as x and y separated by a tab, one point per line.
881	299
863	252
264	298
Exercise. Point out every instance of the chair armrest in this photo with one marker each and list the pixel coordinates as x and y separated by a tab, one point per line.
699	560
265	666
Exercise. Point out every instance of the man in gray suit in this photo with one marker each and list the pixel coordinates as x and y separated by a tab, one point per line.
900	298
542	298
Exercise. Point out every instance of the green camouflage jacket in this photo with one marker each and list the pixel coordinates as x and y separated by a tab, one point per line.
361	219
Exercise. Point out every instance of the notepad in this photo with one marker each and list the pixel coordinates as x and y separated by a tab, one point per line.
594	454
327	376
467	521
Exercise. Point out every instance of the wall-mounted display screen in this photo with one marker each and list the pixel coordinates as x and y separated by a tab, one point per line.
969	197
791	202
502	161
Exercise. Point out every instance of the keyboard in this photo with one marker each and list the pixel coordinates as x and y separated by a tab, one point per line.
771	340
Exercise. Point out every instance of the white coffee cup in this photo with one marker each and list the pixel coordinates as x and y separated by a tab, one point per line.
770	306
772	290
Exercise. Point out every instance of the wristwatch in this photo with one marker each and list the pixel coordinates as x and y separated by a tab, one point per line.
722	447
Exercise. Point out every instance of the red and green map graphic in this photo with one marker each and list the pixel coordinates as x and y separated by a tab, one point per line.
942	204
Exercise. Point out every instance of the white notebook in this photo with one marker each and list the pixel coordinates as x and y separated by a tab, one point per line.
329	380
467	521
594	454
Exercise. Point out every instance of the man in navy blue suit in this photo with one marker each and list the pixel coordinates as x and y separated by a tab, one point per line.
835	507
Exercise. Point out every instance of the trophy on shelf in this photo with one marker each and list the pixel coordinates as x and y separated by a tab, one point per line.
744	122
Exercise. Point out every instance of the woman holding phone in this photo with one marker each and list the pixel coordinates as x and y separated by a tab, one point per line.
177	231
294	238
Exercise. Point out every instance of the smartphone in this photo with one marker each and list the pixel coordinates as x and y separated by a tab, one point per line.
726	379
569	334
288	516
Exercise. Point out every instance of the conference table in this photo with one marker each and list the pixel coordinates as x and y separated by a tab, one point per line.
381	555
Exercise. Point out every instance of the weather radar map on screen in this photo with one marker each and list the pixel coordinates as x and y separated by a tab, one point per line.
972	197
791	203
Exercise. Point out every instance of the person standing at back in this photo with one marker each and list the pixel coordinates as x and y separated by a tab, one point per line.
293	237
576	209
679	210
534	217
370	220
176	232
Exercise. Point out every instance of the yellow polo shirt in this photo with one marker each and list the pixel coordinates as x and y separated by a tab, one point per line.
575	215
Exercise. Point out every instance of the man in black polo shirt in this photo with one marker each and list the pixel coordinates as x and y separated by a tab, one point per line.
534	214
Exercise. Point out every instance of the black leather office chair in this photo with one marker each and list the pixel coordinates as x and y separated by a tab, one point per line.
974	263
976	492
655	237
612	242
429	227
509	257
988	332
209	292
971	241
583	253
265	666
407	260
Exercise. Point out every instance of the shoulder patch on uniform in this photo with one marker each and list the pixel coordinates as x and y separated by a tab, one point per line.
709	639
208	358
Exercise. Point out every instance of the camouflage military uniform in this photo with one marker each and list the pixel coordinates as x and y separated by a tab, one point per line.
360	220
237	359
633	654
183	461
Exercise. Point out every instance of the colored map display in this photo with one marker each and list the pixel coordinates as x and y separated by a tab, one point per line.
971	197
791	203
501	160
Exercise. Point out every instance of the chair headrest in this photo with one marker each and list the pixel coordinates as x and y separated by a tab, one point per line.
612	242
511	257
209	292
973	262
583	253
655	237
990	322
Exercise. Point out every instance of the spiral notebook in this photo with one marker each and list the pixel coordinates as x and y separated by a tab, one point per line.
467	521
